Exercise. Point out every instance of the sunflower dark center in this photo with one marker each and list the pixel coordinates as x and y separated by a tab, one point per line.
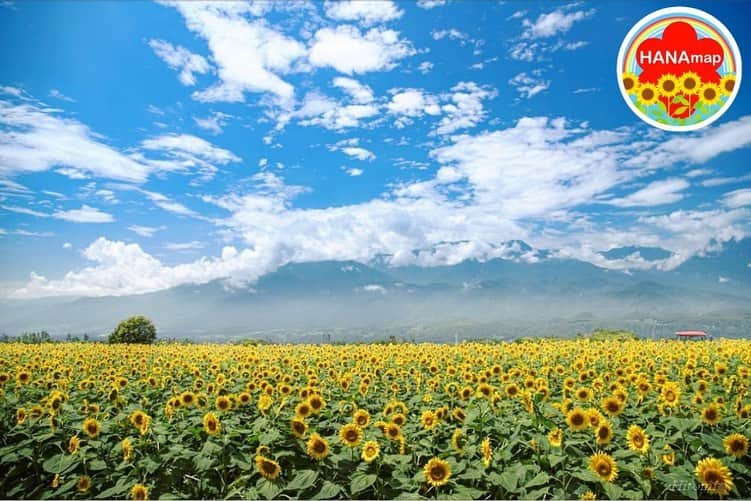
689	83
709	94
319	447
668	85
437	472
647	94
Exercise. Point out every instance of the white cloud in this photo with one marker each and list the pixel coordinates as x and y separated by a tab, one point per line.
85	214
737	198
722	181
665	191
188	152
121	269
144	231
698	147
430	4
213	123
358	153
184	246
354	171
452	33
180	59
367	12
317	109
425	67
67	245
527	181
554	23
465	108
349	51
529	85
413	103
24	210
249	55
361	94
59	95
36	139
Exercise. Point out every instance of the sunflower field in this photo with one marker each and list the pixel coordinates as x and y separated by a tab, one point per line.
538	419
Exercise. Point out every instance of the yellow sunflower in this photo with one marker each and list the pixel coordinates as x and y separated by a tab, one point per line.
689	82
668	85
139	492
576	419
736	445
211	424
84	483
429	420
668	456
604	466
370	451
127	449
714	476
303	410
630	82
316	403
458	440
223	403
727	84
637	439
393	431
710	93
711	414
187	398
350	434
92	427
268	468
604	433
647	94
458	414
141	421
487	452
318	447
612	406
555	437
298	427
74	444
588	496
361	418
670	394
437	472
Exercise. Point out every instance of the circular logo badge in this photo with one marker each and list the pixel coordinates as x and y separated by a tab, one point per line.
679	69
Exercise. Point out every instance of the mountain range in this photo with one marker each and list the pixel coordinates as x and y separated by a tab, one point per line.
527	291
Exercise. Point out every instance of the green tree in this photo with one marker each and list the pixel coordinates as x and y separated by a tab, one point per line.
138	329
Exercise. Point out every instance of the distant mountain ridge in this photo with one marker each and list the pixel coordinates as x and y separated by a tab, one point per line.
527	286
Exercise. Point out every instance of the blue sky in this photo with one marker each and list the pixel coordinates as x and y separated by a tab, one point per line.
146	145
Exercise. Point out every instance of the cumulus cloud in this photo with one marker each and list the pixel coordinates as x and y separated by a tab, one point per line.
180	59
367	12
529	85
554	23
523	182
350	51
120	269
249	54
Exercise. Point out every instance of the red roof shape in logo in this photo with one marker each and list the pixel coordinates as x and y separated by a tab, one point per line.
678	37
